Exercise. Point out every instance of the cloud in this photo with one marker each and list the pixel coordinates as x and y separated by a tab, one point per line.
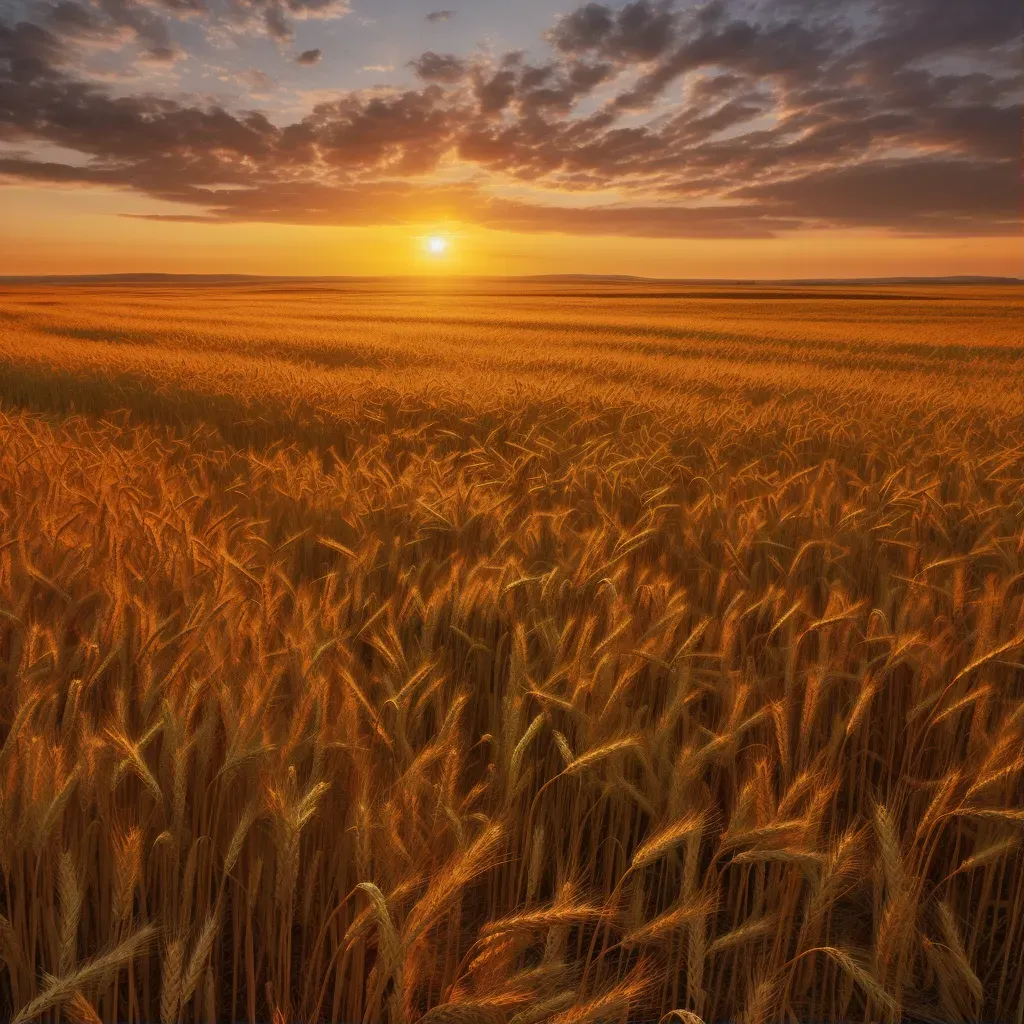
437	16
151	21
28	50
257	81
163	55
913	29
719	119
276	23
139	19
439	67
277	16
74	21
919	195
640	31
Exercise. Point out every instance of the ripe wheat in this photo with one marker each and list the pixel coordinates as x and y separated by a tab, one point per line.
385	653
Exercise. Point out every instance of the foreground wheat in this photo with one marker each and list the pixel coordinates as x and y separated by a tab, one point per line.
501	694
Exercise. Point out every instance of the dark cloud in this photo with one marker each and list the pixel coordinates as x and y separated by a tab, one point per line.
644	221
552	89
495	89
140	19
530	90
585	29
28	51
789	51
186	7
277	16
75	21
916	29
640	31
162	55
439	67
277	24
923	194
726	119
150	21
436	16
405	133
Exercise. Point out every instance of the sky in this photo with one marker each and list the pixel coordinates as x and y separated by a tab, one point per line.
694	138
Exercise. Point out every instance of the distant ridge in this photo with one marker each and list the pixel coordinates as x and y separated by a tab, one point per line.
157	278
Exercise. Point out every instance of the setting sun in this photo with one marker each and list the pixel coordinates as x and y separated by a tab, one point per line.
437	244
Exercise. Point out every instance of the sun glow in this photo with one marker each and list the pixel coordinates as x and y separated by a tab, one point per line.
437	244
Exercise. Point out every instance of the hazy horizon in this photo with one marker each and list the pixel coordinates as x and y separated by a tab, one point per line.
129	277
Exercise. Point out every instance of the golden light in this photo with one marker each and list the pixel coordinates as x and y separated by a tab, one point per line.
436	244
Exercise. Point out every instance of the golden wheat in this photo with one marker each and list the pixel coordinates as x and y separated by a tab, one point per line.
394	653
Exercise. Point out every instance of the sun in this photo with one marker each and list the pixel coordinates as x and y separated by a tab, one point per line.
437	244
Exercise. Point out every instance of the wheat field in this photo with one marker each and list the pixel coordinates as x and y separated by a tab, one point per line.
572	652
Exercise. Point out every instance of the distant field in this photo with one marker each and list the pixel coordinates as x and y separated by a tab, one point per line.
567	651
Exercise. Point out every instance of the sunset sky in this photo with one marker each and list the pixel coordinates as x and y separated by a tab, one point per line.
730	138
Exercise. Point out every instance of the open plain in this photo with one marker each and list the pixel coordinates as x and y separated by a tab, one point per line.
565	650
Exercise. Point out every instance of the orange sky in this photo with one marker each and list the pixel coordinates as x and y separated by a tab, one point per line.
86	231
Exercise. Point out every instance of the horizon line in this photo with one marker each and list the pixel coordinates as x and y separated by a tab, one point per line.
157	276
